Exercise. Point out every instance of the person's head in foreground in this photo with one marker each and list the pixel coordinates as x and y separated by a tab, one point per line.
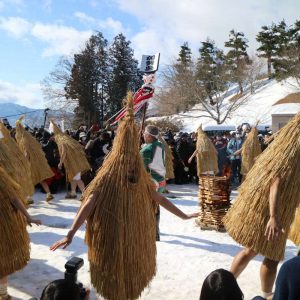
62	289
220	285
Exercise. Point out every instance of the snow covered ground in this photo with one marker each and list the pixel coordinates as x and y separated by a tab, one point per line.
185	254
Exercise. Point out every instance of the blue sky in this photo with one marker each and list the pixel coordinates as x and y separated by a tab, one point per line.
35	33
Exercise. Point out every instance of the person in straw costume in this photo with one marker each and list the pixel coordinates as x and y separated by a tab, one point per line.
294	234
264	210
32	150
169	159
15	163
119	208
15	244
73	158
249	151
206	153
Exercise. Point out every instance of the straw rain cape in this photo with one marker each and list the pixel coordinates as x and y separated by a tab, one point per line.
250	150
75	159
207	155
20	171
294	234
121	230
169	159
14	246
246	221
31	148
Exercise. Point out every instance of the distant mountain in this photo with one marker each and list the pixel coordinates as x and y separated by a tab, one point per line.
33	117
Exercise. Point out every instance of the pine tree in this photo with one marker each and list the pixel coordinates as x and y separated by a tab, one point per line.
88	79
237	57
287	60
267	49
123	73
209	68
185	55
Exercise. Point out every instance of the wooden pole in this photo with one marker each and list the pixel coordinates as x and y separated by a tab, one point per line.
143	122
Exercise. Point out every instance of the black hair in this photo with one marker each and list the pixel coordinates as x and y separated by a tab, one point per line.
61	289
220	285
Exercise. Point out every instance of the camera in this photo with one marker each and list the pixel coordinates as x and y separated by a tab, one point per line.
72	266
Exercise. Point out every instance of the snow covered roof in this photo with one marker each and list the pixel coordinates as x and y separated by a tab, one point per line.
218	127
286	109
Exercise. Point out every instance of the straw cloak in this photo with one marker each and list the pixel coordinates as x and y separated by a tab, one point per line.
207	155
14	246
121	230
31	148
250	150
169	159
294	234
75	159
15	163
246	221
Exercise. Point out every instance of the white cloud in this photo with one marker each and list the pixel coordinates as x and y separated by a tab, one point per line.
194	20
61	40
109	24
15	26
114	25
29	94
84	18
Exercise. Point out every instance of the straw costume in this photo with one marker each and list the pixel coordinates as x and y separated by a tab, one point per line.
75	160
247	219
294	234
168	160
250	150
206	153
14	246
121	230
31	148
14	162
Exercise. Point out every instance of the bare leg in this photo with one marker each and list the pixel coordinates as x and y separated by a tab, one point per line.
3	287
81	185
241	261
73	187
45	187
268	272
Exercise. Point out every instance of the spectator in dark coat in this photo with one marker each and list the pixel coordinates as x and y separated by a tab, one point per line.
288	281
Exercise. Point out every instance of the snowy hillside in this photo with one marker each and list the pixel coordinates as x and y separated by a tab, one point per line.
33	117
257	107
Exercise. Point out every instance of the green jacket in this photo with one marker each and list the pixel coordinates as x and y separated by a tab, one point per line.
154	160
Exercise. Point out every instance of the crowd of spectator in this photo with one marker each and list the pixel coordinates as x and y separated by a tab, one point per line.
97	143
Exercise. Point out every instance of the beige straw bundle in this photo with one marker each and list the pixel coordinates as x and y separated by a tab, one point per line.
75	159
247	219
11	154
250	150
169	159
121	230
294	234
207	155
14	246
31	148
